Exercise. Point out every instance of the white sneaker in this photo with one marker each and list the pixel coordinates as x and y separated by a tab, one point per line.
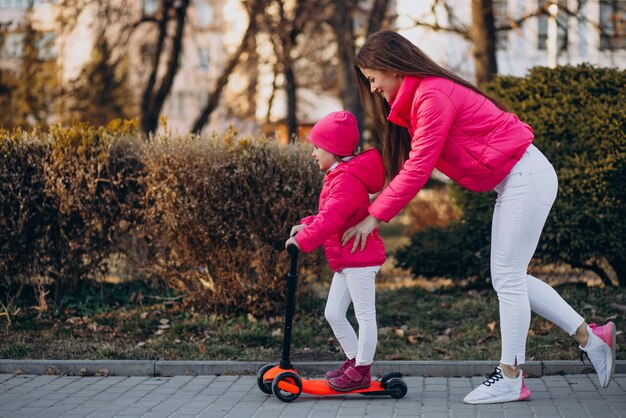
499	388
600	350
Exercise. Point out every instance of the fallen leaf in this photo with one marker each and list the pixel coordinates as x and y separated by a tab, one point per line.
492	326
104	372
85	372
53	370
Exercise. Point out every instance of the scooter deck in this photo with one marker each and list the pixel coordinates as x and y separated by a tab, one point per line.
318	386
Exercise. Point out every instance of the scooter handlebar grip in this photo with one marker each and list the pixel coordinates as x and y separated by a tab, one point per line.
292	249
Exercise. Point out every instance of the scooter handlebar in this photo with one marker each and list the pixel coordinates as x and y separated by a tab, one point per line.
292	249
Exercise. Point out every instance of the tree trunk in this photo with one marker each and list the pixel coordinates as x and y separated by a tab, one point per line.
377	16
483	35
348	91
152	100
214	96
342	24
290	88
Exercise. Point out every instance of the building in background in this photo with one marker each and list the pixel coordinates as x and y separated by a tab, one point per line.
578	39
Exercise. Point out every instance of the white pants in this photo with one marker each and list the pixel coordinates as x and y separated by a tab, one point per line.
524	200
356	285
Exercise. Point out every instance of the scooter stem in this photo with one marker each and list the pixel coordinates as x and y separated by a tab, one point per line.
292	282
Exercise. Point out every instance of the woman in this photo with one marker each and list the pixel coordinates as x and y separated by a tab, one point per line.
431	118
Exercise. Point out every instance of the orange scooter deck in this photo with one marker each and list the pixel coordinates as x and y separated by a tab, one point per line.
316	386
320	387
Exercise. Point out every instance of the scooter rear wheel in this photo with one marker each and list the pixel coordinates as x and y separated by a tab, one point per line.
265	386
398	386
293	380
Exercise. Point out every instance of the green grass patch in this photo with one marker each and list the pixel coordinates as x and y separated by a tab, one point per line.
414	324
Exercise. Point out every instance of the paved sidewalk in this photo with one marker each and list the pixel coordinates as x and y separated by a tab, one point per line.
575	395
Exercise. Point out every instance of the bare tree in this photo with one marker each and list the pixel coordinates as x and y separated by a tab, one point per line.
254	8
342	23
284	25
171	13
483	35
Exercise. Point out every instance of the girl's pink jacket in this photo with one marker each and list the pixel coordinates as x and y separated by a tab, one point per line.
456	130
343	203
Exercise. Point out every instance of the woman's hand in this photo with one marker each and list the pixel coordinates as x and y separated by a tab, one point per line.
360	232
296	229
293	241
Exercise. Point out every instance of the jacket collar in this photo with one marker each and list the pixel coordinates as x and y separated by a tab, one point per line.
400	112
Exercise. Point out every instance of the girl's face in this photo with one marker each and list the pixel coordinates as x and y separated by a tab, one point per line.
323	158
384	83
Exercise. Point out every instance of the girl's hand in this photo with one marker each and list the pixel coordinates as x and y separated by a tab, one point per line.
360	232
296	229
293	241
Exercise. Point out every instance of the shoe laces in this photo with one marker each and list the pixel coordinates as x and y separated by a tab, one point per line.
493	377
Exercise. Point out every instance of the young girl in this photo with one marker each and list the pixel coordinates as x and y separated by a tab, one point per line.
430	117
343	202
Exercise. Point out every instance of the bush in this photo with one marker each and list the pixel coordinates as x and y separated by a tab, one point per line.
577	115
431	208
218	213
25	209
92	176
208	216
68	195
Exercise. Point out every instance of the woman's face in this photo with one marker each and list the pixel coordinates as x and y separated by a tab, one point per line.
384	83
323	158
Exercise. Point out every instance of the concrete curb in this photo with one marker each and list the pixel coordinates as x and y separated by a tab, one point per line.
180	368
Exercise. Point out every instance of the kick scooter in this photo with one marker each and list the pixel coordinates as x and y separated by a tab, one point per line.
283	380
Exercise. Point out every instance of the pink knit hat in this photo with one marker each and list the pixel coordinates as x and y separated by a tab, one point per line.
337	133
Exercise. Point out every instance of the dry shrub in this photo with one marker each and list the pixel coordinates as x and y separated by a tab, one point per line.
218	212
431	208
25	210
93	176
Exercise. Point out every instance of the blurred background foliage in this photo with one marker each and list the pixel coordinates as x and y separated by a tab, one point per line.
578	117
207	217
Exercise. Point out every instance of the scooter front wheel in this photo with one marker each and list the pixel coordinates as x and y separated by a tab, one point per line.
287	386
264	385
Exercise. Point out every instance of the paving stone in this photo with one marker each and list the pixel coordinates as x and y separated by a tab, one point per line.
238	397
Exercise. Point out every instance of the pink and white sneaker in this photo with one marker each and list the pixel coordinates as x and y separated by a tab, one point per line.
499	388
600	351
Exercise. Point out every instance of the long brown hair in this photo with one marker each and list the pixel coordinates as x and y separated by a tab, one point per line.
389	51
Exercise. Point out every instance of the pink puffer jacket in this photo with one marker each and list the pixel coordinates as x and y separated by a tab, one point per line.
456	130
343	203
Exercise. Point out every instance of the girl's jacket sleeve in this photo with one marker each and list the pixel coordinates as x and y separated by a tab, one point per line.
307	220
434	116
338	206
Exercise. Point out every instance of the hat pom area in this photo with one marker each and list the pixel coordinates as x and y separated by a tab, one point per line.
337	133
